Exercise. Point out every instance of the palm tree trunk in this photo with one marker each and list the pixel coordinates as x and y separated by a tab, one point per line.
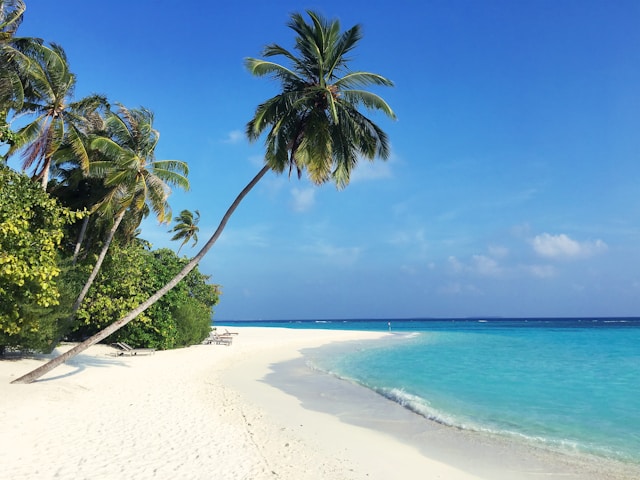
47	367
45	173
83	231
96	267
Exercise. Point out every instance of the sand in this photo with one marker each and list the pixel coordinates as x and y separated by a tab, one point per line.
212	411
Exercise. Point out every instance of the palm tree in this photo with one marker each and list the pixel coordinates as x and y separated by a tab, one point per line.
71	182
11	91
77	191
137	181
313	125
58	120
14	62
186	228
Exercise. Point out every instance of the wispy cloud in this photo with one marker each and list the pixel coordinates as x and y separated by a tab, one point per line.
416	240
253	236
563	247
333	253
456	288
303	198
478	265
483	265
234	136
376	170
540	271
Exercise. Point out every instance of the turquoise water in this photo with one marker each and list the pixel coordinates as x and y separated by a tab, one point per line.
570	385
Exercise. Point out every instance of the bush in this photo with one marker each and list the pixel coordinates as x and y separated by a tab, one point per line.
130	275
31	229
193	320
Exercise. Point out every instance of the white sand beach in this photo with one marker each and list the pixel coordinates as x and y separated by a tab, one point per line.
207	412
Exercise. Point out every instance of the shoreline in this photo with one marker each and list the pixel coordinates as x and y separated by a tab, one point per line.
253	410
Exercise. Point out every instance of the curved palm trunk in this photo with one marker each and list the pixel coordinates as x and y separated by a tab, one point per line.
83	231
96	267
47	367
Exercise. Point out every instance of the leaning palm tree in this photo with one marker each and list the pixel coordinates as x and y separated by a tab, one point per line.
186	228
137	181
58	120
314	124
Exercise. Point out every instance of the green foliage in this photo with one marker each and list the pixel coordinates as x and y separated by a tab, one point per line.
31	229
193	320
189	303
6	134
186	228
314	124
117	290
56	120
132	273
135	178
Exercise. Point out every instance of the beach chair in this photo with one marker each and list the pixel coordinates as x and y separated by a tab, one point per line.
217	339
128	350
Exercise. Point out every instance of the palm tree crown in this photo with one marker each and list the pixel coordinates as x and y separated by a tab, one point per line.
58	120
186	227
314	123
129	166
14	62
11	92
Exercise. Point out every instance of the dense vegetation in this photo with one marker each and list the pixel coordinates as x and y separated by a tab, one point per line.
70	258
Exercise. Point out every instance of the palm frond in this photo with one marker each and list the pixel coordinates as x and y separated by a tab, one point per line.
100	169
109	148
176	166
11	15
370	100
362	79
262	68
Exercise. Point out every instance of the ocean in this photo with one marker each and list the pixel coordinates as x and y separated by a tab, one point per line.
568	385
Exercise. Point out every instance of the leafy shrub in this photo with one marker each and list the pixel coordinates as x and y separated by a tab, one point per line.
130	275
31	229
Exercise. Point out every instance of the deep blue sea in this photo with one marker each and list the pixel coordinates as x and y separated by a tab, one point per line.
567	384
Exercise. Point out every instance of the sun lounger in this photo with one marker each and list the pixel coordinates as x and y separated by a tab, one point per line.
125	349
217	339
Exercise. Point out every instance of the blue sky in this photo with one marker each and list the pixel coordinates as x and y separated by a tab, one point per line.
513	186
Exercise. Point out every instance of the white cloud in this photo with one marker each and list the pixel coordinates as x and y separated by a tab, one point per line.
234	136
455	264
414	241
303	198
483	265
478	265
339	255
541	271
372	170
562	246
